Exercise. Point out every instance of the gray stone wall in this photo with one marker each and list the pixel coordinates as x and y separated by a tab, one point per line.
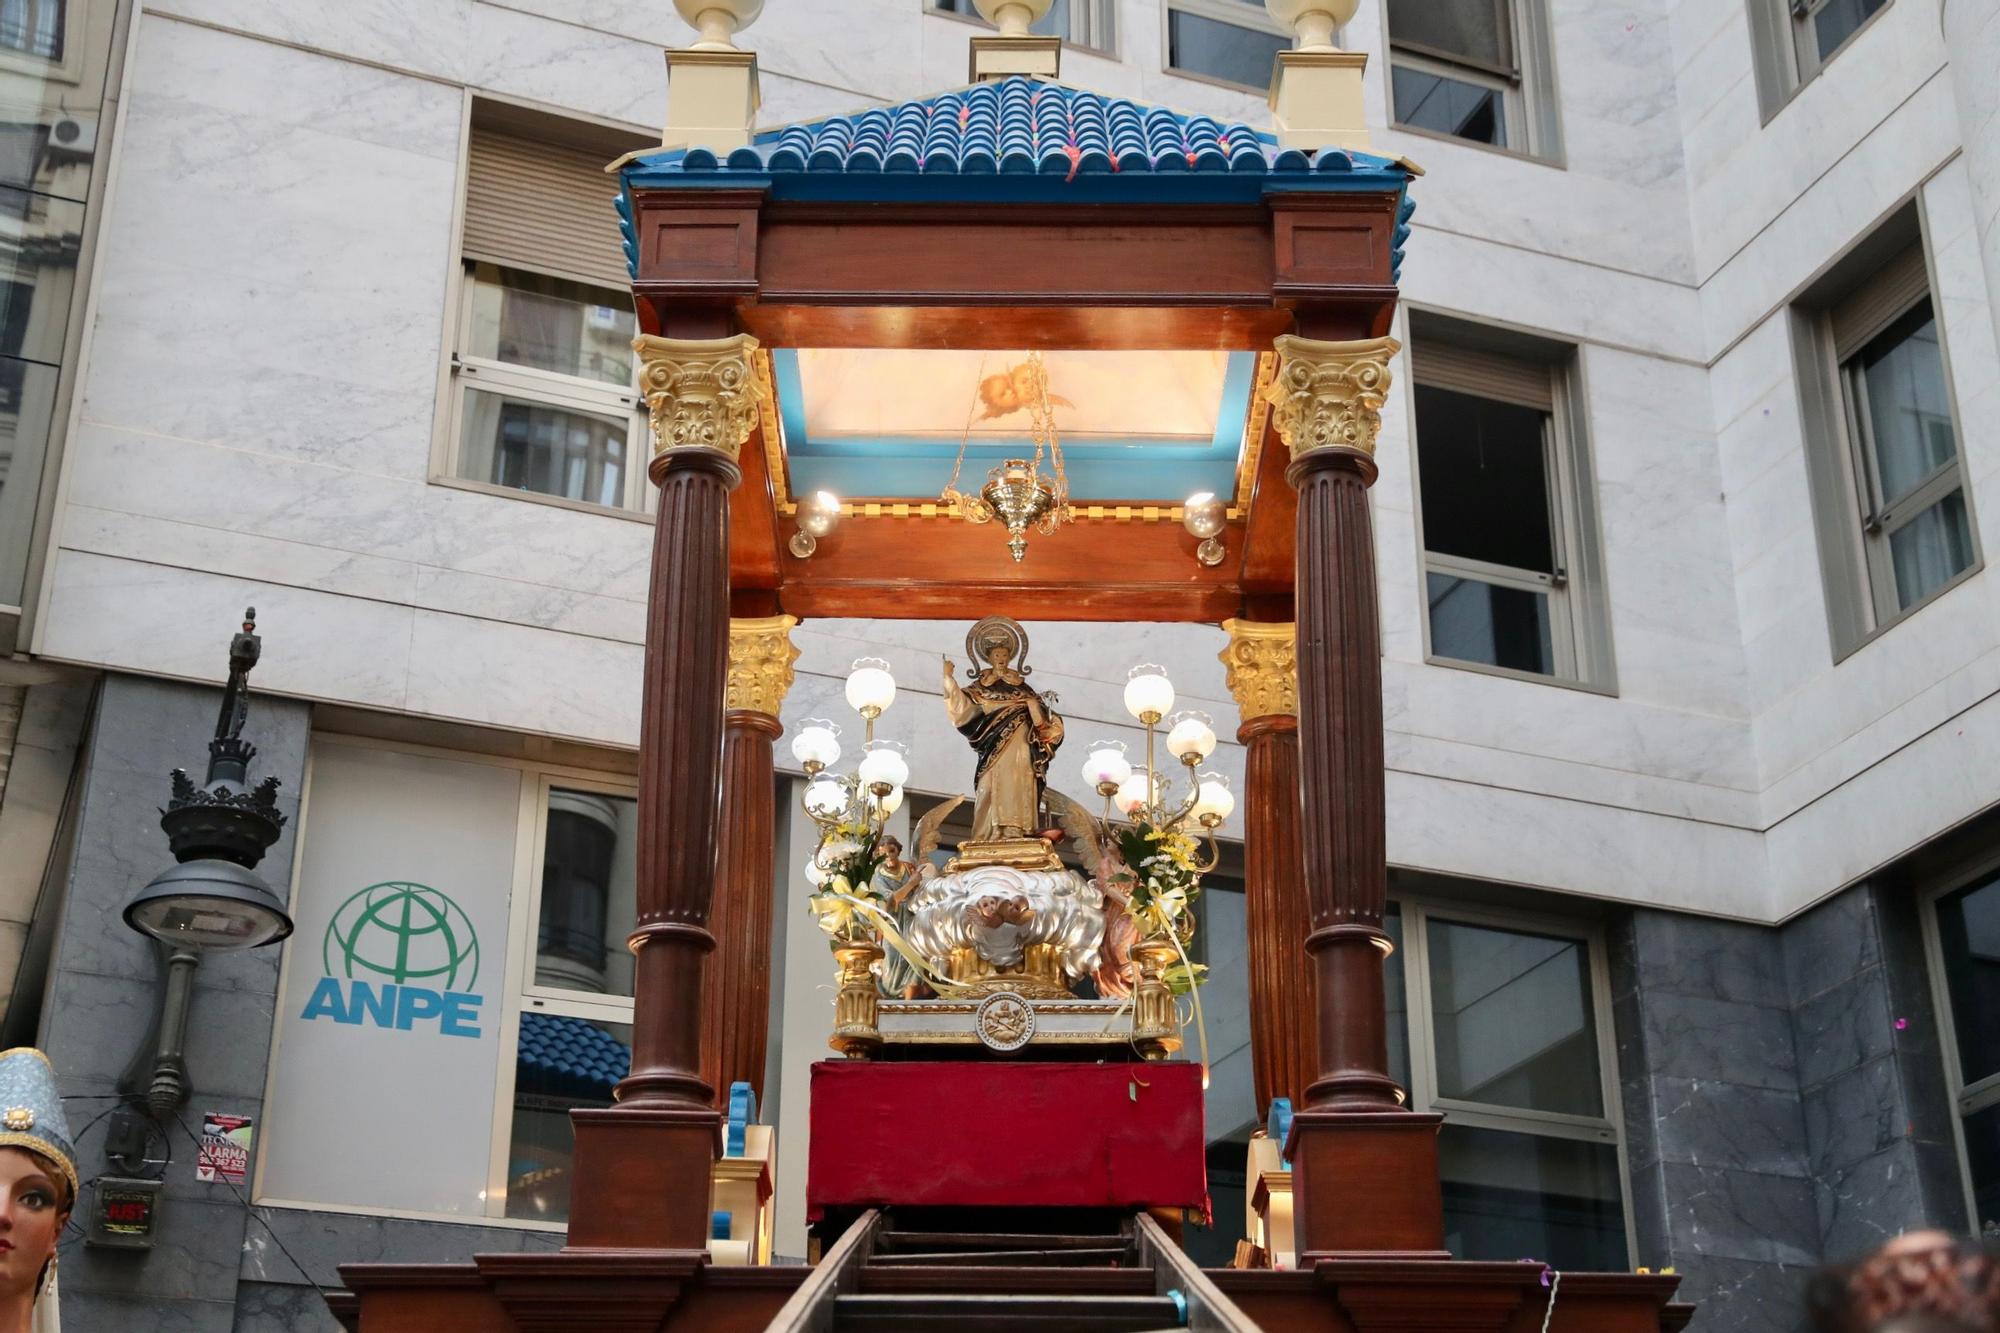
1784	1099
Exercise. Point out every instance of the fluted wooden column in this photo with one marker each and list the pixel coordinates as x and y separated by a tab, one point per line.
641	1171
736	1001
1365	1169
1283	1025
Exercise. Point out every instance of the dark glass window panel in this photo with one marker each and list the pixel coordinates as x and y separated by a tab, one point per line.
1931	549
38	273
27	403
532	446
1486	623
1396	999
1909	407
1475	30
1053	24
560	1063
1449	106
1483	466
525	319
1839	20
589	893
33	27
1982	1158
1969	938
1518	1196
1224	51
1513	1020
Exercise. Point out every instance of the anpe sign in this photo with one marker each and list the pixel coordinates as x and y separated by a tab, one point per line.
388	1040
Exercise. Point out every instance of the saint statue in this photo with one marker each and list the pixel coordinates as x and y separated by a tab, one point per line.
1012	728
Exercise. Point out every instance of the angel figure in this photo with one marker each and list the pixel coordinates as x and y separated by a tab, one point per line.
1011	727
1116	972
897	880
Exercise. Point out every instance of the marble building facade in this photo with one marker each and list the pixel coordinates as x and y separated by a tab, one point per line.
1744	820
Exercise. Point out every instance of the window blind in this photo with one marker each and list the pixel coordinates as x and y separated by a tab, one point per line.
1863	313
1483	374
542	207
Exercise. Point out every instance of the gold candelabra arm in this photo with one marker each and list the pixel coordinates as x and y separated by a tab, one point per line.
1214	849
1193	797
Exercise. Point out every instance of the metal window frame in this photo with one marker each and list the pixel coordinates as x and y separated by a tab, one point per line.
1093	24
1418	910
550	388
1784	38
1513	101
1532	103
1967	1099
1581	660
1231	12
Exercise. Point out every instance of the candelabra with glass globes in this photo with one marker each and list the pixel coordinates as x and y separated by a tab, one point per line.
1141	794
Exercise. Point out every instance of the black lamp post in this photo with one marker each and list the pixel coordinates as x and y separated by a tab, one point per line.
212	898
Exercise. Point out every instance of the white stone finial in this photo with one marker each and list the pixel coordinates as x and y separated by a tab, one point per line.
718	21
1312	22
1013	17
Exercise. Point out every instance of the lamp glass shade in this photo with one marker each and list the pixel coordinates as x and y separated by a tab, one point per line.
1131	793
870	686
211	904
1106	762
1147	690
883	765
1193	734
1213	798
826	797
819	515
818	742
1203	515
816	874
891	803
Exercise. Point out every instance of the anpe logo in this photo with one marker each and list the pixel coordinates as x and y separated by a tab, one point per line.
421	946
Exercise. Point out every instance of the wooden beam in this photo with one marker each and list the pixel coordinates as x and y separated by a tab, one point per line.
1132	327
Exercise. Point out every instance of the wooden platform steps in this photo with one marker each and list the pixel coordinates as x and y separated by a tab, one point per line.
902	1276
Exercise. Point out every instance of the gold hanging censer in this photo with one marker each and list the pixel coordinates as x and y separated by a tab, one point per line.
1016	492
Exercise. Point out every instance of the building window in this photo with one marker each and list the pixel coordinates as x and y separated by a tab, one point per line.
1230	41
541	390
1895	517
1510	562
1966	924
1473	69
1793	40
1086	23
461	936
33	27
1500	1024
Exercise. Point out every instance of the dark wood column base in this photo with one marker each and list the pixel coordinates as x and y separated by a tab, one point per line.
642	1178
1366	1185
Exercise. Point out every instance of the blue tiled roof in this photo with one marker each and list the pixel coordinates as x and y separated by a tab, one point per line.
571	1057
1017	140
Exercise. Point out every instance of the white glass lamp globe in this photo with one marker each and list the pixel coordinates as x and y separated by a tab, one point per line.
1131	794
826	798
1147	690
883	766
818	742
1203	515
870	687
1106	764
1213	799
891	803
819	515
1192	736
816	874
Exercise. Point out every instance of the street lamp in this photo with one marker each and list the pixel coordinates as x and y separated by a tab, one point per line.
211	898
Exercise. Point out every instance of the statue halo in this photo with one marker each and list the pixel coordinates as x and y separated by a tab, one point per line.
990	627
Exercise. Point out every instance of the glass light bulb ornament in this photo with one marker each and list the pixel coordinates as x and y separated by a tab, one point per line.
883	767
1204	515
826	798
817	745
891	803
1131	794
816	874
1213	801
817	515
1148	693
1106	766
870	687
1191	738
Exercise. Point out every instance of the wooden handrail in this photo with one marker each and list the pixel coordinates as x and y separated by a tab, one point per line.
1208	1310
810	1310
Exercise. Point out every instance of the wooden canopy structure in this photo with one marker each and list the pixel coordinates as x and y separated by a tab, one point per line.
1015	216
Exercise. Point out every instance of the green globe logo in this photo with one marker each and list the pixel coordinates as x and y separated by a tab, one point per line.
401	932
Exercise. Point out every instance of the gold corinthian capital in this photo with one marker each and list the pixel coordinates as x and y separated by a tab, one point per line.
1262	663
1329	395
761	654
700	394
